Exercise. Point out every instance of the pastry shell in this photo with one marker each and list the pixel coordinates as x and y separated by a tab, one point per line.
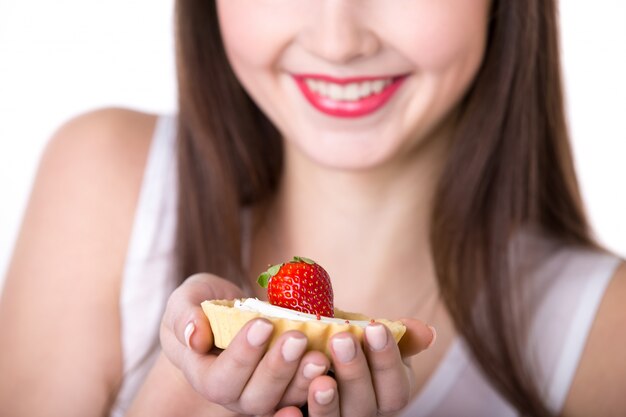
226	321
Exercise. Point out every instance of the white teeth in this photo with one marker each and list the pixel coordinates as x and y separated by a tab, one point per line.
347	92
378	86
335	92
351	92
366	89
322	88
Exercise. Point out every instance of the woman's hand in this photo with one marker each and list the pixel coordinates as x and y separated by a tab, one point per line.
370	379
247	377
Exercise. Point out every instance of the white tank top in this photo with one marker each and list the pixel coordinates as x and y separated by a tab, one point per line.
566	291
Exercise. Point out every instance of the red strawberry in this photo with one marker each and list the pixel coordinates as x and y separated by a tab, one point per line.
300	285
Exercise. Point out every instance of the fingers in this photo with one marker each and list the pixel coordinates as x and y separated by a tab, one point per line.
248	377
390	378
288	412
353	375
418	337
323	399
184	319
225	379
312	365
273	374
373	378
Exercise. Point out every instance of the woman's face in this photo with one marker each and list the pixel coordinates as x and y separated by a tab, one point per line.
353	84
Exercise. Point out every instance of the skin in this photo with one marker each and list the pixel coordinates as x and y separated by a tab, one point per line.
363	172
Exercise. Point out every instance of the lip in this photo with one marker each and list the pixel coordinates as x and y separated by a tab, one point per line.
348	109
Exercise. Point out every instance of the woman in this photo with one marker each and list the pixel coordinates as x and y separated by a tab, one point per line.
439	185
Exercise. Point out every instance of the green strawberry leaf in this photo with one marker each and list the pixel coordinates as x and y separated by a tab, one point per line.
264	279
273	270
303	259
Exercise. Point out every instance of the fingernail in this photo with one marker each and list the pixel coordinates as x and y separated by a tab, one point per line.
344	349
312	370
376	336
293	348
189	329
259	332
324	397
432	341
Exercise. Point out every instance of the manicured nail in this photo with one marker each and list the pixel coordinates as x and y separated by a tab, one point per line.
432	341
189	329
376	336
259	332
293	348
324	397
312	370
344	349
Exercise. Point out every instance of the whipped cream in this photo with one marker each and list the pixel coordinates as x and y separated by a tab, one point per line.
257	306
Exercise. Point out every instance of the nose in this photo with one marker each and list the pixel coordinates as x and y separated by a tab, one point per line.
337	32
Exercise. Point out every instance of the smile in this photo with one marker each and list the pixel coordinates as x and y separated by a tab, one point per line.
348	97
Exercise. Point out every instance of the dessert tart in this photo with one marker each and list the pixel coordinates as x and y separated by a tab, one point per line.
300	298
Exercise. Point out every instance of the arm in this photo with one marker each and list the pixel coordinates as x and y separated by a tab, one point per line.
598	386
60	342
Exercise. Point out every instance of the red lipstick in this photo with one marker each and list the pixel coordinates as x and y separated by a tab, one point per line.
343	107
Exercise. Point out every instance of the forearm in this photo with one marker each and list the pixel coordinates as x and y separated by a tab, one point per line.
166	393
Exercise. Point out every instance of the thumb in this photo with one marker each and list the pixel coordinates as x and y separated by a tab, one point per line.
418	337
184	318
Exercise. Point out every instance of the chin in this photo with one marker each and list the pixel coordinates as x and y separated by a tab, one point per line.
350	162
346	152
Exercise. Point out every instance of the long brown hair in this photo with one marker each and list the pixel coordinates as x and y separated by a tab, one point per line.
511	147
513	150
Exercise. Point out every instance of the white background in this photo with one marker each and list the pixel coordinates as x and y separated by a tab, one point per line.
61	58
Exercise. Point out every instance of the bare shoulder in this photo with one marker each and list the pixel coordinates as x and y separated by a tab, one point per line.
598	386
92	168
88	182
62	285
109	137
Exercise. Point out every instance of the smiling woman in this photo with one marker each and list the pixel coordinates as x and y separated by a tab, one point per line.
418	150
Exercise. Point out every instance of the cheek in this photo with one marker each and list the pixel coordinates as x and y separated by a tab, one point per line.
438	35
254	32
